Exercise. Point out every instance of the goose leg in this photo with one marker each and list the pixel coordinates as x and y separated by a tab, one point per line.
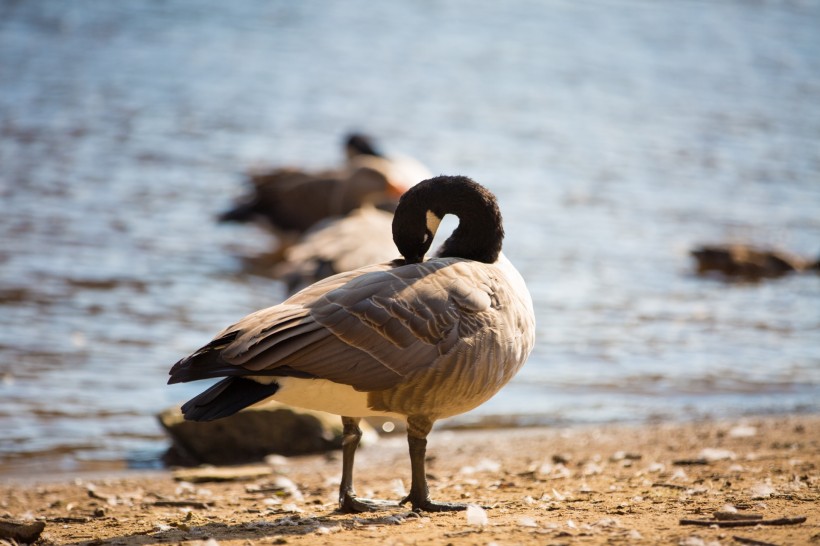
348	502
417	430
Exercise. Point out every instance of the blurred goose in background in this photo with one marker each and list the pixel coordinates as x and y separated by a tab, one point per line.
400	172
748	263
413	338
291	200
329	221
335	245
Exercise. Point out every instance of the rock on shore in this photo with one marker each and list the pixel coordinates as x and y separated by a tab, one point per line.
252	434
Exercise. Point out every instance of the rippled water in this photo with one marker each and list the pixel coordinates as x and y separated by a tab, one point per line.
616	133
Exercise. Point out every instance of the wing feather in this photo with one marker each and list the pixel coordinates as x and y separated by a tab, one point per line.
410	316
368	328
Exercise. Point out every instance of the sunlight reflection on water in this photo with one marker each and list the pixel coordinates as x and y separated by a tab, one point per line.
615	136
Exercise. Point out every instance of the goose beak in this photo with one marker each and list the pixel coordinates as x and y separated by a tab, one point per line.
395	189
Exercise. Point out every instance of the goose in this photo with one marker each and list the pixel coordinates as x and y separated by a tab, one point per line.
361	238
417	339
291	200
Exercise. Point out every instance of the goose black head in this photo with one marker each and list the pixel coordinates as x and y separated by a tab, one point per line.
359	144
480	231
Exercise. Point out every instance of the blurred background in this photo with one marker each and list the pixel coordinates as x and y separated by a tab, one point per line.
617	135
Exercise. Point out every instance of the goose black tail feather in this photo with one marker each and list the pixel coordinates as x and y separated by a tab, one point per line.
206	363
226	398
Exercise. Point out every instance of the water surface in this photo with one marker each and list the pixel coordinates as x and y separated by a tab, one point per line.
617	134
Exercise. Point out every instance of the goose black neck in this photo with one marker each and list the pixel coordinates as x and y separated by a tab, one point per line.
480	231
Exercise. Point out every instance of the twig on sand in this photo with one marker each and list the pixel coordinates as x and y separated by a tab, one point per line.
20	531
182	503
691	462
670	486
68	519
725	515
743	523
752	542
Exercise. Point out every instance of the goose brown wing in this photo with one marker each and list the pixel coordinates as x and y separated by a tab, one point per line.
284	340
407	318
367	329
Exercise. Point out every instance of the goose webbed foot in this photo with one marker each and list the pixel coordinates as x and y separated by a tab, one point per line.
427	505
351	504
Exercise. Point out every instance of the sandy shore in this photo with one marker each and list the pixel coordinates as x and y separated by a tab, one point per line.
583	485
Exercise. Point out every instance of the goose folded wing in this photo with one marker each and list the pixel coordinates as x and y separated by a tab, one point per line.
369	332
409	317
283	341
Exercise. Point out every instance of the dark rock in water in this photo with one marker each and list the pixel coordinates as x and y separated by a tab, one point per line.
24	532
745	262
252	434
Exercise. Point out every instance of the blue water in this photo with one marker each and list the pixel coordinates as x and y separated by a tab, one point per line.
617	135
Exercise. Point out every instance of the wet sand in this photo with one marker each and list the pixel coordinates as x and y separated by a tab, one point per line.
582	485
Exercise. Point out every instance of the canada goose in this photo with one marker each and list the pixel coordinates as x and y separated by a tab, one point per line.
291	200
739	261
332	246
415	339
